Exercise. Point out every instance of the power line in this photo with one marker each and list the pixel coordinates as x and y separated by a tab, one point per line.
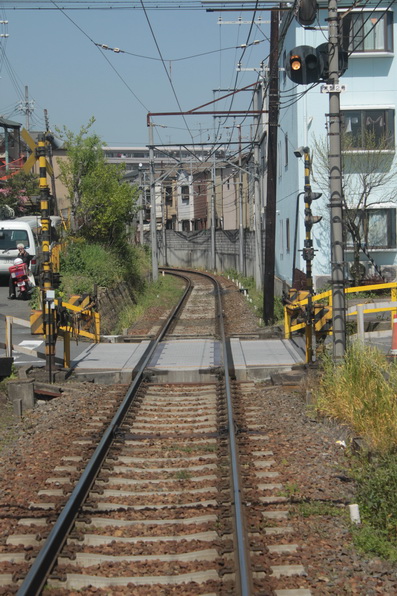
108	61
165	68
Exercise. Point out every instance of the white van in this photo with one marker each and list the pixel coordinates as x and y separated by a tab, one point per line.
18	231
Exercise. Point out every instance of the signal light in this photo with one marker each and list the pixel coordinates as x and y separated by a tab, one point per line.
304	65
307	12
342	62
296	63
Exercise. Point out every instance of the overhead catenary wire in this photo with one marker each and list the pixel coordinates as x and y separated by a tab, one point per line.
105	57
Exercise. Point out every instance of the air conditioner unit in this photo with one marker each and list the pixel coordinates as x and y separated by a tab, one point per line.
389	273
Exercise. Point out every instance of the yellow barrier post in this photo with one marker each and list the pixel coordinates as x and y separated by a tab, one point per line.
287	324
393	296
66	349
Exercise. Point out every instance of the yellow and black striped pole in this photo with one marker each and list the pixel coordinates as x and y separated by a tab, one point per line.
46	272
308	255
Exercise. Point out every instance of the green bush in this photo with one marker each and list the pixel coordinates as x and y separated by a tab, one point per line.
83	265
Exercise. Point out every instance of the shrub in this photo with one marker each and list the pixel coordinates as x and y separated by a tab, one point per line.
361	393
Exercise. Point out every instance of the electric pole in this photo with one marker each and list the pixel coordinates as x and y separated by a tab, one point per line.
153	219
271	195
257	193
213	217
335	180
27	108
49	138
240	205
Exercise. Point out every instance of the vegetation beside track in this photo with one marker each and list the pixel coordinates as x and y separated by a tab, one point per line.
361	393
256	296
84	264
165	292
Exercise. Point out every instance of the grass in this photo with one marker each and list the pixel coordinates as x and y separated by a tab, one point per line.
183	475
317	508
361	393
376	492
165	292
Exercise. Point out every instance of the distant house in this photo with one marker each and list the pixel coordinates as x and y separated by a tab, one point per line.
11	159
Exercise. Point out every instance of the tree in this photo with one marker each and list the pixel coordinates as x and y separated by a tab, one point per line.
101	202
83	152
369	173
17	192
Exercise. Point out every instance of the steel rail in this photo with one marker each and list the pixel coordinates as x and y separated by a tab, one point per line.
37	575
244	569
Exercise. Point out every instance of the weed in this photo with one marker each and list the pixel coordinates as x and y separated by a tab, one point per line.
166	291
183	475
290	489
180	448
361	392
369	540
316	508
209	448
376	493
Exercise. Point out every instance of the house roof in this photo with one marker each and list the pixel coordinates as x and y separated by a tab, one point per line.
4	123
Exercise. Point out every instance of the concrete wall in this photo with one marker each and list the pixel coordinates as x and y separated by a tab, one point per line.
111	301
193	249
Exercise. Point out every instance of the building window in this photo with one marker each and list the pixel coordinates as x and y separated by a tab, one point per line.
371	31
168	195
368	129
185	195
377	228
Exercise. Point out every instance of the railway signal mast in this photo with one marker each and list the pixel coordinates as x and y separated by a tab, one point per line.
304	65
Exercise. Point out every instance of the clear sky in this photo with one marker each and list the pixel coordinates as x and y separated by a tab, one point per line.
53	53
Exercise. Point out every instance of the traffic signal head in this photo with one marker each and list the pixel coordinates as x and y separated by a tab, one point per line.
307	12
343	60
304	65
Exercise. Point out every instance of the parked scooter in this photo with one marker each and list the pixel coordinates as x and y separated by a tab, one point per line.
22	280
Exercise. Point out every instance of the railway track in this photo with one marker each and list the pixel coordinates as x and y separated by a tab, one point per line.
172	494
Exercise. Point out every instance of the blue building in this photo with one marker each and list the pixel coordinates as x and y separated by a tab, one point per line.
368	104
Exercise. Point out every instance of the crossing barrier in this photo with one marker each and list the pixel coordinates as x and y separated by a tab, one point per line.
296	310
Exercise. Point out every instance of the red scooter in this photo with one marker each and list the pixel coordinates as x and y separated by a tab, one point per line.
20	279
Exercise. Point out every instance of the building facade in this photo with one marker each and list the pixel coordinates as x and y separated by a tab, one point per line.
368	104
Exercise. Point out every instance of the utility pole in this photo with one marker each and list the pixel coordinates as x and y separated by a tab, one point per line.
257	194
213	216
26	108
163	224
271	195
140	204
240	205
335	180
49	138
153	220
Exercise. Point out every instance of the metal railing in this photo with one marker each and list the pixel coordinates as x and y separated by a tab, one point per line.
297	309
